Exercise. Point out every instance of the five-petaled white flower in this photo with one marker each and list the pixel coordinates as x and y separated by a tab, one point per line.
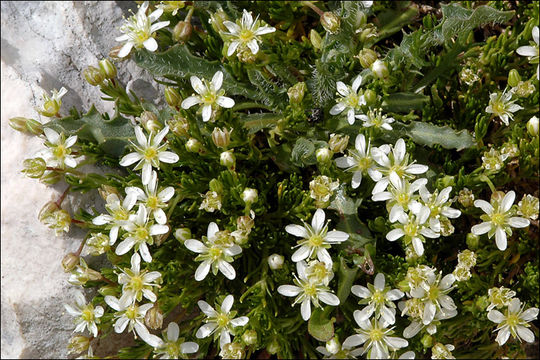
308	290
139	30
216	252
532	51
210	95
220	321
350	100
359	161
433	293
377	119
514	322
502	105
149	153
438	205
316	239
119	214
246	34
153	200
400	195
58	152
132	317
51	104
498	219
379	299
87	315
136	283
174	347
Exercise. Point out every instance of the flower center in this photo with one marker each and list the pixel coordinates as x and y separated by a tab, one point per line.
222	320
215	252
512	320
403	198
136	283
150	153
88	314
316	240
378	297
60	151
376	335
120	214
433	293
498	107
310	290
141	233
410	229
364	163
498	219
246	35
352	100
152	202
131	312
173	349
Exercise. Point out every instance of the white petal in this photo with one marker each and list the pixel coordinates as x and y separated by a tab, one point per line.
399	151
413	329
324	256
125	50
529	314
447	281
168	157
388	315
317	222
518	222
247	19
416	169
202	270
206	330
289	290
336	236
197	85
150	44
337	109
383	196
195	246
130	159
240	321
356	179
484	205
206	308
379	281
70	141
146	174
166	194
125	246
263	30
227	304
451	213
355	340
253	46
514	305
297	230
71	310
158	229
217	80
101	219
206	112
305	309
361	291
418	246
429	313
345	162
225	102
502	336
495	316
350	116
447	302
173	331
145	253
226	269
232	46
342	89
224	338
535	34
160	217
212	230
189	347
525	334
232	27
500	238
507	201
381	185
364	314
481	228
395	342
395	234
356	83
190	101
377	351
527	51
148	338
120	324
329	298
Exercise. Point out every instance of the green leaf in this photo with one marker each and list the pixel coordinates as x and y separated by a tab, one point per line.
429	135
359	234
404	102
346	278
320	326
257	122
344	204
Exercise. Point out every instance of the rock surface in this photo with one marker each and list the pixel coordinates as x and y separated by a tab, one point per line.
46	45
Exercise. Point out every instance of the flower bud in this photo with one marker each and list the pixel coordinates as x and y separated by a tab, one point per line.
523	89
528	207
193	145
227	159
338	143
367	33
149	121
70	261
172	97
211	201
98	244
380	69
34	127
249	337
370	96
217	19
275	261
182	234
182	31
108	290
466	197
108	69
25	125
47	210
250	196
216	185
221	137
321	189
154	317
333	346
93	75
78	344
34	168
367	57
427	341
330	22
51	177
106	190
323	155
472	241
296	93
360	20
179	125
513	78
315	39
273	347
532	126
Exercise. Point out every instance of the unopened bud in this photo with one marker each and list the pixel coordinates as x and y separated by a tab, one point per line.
106	190
333	346
427	341
215	185
296	93
193	145
367	33
472	241
466	197
513	78
18	123
250	196
47	210
330	22
93	75
221	137
25	125
244	223
323	155
338	143
367	57
182	31
34	168
275	261
154	317
273	347
179	125
78	344
315	39
370	96
217	19
108	68
249	337
108	290
532	126
182	234
172	97
70	261
149	121
227	159
380	69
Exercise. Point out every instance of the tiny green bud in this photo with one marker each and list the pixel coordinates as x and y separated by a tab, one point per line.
217	19
472	241
34	168
18	123
427	341
273	347
172	97
532	126
193	145
275	261
446	181
154	317
108	68
179	125
296	93
513	78
227	159
93	75
249	337
182	31
370	96
47	210
250	196
380	69
34	127
182	234
367	57
330	22
315	39
25	125
221	137
323	155
360	20
78	344
367	33
466	197
216	185
107	290
338	143
149	121
70	261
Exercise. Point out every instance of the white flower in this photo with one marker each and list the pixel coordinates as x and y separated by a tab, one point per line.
316	239
51	105
319	272
139	30
119	214
532	51
136	283
335	350
132	317
149	153
379	299
210	95
438	205
493	160
87	315
441	351
400	195
394	160
359	161
220	321
514	322
433	292
247	34
216	252
376	119
376	337
307	291
499	297
58	152
275	261
153	201
139	234
350	99
173	347
502	105
498	219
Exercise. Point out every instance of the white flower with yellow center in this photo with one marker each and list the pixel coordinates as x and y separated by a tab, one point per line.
216	252
140	234
307	291
350	99
532	51
359	161
376	119
51	105
132	318
502	106
210	95
400	195
149	153
246	34
376	337
514	322
379	299
87	315
439	205
499	297
174	347
433	293
118	214
139	30
58	152
153	200
498	219
335	350
316	239
136	283
220	321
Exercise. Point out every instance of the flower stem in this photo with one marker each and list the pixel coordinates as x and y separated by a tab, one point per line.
62	197
313	7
